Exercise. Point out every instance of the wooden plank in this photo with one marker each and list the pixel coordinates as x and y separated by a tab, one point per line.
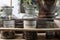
30	29
12	39
57	18
10	2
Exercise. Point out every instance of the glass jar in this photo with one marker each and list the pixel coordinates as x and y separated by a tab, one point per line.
29	18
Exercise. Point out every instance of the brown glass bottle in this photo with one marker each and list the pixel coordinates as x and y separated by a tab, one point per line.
46	12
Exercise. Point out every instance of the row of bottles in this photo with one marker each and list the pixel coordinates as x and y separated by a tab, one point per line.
46	10
30	19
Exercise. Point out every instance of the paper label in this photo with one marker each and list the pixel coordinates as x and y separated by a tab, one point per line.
29	24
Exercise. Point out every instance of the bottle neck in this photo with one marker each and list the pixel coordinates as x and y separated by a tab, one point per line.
10	17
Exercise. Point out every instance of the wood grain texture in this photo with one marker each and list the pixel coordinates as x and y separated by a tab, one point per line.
31	29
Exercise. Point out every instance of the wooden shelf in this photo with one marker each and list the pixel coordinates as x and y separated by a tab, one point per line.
12	39
31	29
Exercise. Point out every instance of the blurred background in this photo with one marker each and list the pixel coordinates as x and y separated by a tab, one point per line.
18	9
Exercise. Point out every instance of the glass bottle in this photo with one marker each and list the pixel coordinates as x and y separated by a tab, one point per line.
30	22
8	34
46	12
8	23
